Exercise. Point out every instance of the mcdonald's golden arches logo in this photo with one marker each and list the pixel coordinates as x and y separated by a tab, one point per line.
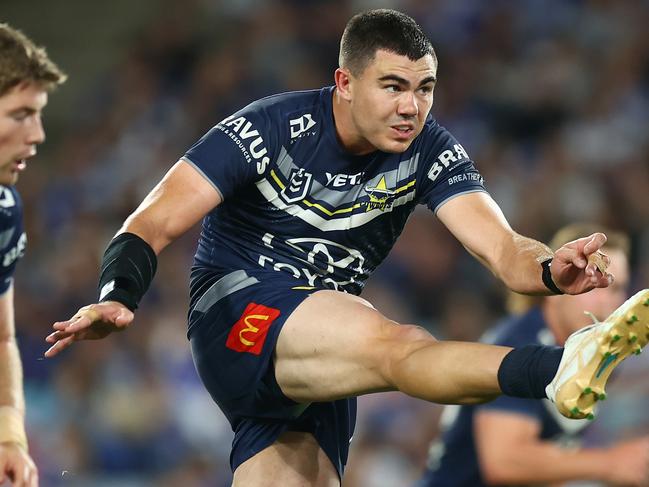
249	333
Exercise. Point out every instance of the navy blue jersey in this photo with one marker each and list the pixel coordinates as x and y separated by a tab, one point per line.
295	201
453	461
12	237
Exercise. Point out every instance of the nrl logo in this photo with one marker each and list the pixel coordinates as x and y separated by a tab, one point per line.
381	198
298	186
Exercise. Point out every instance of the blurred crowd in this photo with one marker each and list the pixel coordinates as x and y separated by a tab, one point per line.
549	97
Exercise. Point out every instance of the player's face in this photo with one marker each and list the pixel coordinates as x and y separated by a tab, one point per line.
390	100
601	302
20	128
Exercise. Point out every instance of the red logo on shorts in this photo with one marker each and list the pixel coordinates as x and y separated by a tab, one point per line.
249	333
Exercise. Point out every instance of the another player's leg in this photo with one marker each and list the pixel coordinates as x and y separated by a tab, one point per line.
592	353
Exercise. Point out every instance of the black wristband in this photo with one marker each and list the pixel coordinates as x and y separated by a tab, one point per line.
546	275
127	270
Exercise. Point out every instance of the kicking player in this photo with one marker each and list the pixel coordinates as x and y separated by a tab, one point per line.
513	441
26	77
302	195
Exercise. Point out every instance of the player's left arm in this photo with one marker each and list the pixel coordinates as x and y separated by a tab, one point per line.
479	224
15	462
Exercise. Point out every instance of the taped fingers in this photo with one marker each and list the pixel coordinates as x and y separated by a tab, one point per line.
84	318
600	260
87	312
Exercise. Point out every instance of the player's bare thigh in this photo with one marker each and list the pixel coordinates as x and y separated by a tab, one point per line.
294	460
337	345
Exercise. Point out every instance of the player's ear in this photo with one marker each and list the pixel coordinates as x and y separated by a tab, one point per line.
343	80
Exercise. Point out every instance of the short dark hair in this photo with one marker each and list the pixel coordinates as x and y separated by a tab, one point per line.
23	61
387	29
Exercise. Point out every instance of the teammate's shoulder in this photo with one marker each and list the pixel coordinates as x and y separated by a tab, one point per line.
517	330
9	197
10	206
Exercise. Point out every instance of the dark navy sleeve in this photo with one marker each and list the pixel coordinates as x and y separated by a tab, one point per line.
516	331
447	169
526	407
237	151
12	237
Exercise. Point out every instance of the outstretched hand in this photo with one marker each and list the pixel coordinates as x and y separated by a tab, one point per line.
17	466
579	266
91	322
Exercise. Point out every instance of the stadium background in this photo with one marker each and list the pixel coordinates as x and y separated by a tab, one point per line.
549	97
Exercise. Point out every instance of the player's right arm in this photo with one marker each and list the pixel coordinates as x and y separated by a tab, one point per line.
177	203
233	154
511	453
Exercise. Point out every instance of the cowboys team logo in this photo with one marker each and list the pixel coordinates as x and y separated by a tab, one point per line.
298	186
381	198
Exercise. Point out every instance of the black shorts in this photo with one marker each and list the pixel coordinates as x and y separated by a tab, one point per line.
234	322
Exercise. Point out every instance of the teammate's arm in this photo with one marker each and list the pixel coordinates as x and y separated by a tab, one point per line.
15	462
176	204
511	453
478	223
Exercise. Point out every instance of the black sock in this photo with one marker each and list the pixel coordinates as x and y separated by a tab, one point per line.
525	371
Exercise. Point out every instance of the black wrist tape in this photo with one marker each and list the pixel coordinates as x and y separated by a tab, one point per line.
127	270
547	277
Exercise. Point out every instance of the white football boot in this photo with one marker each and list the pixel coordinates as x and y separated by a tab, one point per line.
591	354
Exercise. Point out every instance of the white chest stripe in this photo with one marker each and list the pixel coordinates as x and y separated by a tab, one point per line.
312	218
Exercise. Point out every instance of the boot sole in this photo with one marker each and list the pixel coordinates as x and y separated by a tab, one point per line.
623	333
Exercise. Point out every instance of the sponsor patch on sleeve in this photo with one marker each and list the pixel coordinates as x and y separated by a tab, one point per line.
447	158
